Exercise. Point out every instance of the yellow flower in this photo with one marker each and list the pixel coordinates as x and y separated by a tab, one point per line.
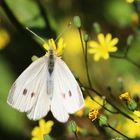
130	1
93	114
137	122
129	128
102	48
137	113
125	97
58	48
4	38
43	129
134	88
90	104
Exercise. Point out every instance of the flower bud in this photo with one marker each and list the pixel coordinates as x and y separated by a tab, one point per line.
77	21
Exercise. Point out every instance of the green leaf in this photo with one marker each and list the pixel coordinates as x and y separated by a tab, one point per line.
48	137
27	12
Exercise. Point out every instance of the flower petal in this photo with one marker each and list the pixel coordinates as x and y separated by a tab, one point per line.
97	57
112	49
46	46
101	39
35	138
60	47
93	44
114	42
35	131
49	123
105	56
137	113
108	38
42	123
51	42
92	51
48	127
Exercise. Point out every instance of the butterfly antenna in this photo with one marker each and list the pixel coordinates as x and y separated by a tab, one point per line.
65	29
36	35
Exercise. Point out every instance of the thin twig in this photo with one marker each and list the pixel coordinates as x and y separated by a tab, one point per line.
132	62
80	33
85	56
125	57
102	130
45	17
86	63
76	136
119	132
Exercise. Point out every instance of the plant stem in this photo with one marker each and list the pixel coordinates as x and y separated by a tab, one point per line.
119	132
76	136
86	63
132	62
101	130
44	15
85	56
127	59
80	33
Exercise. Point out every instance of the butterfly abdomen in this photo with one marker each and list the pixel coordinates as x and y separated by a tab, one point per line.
51	62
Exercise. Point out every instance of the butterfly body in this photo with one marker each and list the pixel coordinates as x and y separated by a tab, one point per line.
46	85
51	61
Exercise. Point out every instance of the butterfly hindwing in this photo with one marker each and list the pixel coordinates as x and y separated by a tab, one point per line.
66	90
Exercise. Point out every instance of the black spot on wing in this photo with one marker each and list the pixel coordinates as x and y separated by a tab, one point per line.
32	94
70	94
25	91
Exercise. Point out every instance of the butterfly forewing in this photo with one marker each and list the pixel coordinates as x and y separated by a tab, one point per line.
25	90
42	104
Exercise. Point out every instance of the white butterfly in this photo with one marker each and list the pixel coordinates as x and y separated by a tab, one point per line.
47	84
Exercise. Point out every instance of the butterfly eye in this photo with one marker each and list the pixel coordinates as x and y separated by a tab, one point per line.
25	91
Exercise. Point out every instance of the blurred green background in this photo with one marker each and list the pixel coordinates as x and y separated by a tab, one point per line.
47	18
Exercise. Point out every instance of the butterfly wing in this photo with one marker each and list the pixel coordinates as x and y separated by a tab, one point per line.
42	105
57	106
27	88
67	96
